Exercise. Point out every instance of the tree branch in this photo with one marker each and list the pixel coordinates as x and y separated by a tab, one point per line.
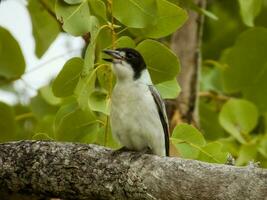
80	171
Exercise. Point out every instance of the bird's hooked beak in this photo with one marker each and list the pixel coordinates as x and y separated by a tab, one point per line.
116	55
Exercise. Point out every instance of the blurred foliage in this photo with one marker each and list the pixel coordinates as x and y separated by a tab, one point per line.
233	83
75	105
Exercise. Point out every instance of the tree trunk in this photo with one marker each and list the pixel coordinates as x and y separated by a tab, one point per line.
186	44
80	171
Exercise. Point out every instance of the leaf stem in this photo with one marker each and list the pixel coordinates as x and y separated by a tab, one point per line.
214	96
106	131
110	3
24	116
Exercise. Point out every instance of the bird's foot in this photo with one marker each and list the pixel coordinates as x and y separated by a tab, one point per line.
120	150
146	150
137	154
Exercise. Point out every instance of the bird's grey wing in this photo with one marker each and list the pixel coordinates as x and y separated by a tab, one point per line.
162	114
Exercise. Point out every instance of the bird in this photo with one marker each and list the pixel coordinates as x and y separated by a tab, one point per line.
138	117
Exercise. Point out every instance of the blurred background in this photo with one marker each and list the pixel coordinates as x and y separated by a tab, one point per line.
40	71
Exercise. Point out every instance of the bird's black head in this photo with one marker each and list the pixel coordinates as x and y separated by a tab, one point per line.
130	56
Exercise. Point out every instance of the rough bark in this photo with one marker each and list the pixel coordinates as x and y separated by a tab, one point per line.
79	171
186	44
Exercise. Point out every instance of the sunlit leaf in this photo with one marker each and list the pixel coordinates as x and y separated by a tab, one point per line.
161	62
73	1
213	152
187	140
89	58
45	26
67	79
84	89
75	18
231	145
135	13
168	19
249	9
48	95
262	147
169	89
98	101
238	117
73	124
247	153
105	77
12	64
125	41
98	8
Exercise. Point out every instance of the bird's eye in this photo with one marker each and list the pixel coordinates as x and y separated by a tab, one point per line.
130	55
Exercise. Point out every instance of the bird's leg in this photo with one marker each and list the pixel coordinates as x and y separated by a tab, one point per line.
120	150
137	154
146	150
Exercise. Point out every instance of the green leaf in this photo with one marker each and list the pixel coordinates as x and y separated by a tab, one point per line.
89	58
45	128
98	8
98	101
215	39
262	147
40	107
187	140
209	120
210	79
161	62
169	18
248	152
213	153
105	138
84	89
86	84
7	123
25	122
45	26
67	79
251	47
73	1
12	64
73	124
249	9
135	13
48	96
41	136
231	145
105	77
168	89
104	40
125	41
75	18
238	117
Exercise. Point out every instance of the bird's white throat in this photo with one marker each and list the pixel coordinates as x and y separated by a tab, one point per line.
125	73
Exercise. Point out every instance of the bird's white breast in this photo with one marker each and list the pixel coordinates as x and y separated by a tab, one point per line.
135	121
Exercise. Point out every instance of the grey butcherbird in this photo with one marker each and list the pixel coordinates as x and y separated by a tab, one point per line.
138	115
